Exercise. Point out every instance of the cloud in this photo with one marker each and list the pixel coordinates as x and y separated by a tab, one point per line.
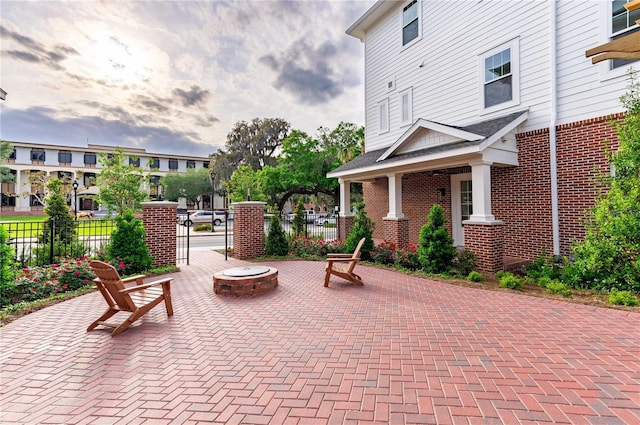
35	52
42	125
195	96
307	72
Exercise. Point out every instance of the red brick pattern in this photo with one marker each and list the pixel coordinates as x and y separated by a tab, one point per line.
396	230
159	220
487	242
248	230
246	285
399	350
345	224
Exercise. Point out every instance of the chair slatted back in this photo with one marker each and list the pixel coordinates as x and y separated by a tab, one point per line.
110	284
356	255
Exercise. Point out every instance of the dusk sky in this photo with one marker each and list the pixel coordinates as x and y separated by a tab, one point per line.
175	76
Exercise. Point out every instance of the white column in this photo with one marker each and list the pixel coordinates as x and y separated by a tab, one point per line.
395	196
481	186
345	197
22	202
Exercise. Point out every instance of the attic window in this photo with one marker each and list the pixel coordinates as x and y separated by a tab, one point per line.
410	22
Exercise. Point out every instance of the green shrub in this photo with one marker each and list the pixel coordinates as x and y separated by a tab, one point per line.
7	272
58	215
464	262
276	243
435	247
127	250
303	246
475	276
362	228
406	256
543	281
61	249
383	252
299	223
202	227
622	298
543	266
511	281
555	287
500	273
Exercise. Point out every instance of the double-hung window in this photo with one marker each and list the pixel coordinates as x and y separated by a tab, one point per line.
500	77
173	164
411	22
90	159
191	164
64	157
623	23
383	116
37	155
154	163
134	161
406	107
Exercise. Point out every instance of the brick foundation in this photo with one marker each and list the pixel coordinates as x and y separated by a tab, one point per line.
246	285
396	230
248	230
486	240
159	220
344	226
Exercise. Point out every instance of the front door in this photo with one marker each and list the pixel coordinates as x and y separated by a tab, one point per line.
461	205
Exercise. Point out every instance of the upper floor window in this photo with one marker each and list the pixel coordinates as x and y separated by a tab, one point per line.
154	163
623	23
191	164
37	155
88	179
13	154
500	76
173	164
64	157
383	116
90	159
134	160
205	164
406	106
410	22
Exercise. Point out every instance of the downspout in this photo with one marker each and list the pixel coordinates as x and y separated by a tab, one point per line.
553	158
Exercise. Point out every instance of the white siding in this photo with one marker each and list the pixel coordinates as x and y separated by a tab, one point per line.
447	87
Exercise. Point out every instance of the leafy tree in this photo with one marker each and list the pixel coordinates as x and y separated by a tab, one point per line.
191	185
127	250
347	139
299	223
7	271
245	185
609	257
435	246
277	243
58	214
5	152
363	227
120	184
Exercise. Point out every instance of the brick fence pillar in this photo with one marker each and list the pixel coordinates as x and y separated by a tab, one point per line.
345	223
486	240
248	229
396	230
159	220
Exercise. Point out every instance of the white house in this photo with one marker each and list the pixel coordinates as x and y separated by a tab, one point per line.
491	109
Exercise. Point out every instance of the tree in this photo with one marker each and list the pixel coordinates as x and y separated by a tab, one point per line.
5	152
299	223
192	185
127	250
277	243
58	214
609	256
347	139
245	185
120	184
363	227
435	246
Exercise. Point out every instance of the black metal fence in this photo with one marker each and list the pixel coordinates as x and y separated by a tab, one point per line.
319	226
43	243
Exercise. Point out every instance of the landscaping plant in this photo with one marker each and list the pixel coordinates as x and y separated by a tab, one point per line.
127	250
276	243
435	246
622	298
7	273
363	227
464	262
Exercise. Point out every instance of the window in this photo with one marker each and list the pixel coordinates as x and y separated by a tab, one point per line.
155	190
155	163
8	189
13	155
37	155
65	176
134	161
191	164
88	179
383	116
406	107
500	76
173	164
205	164
623	23
410	22
90	159
64	157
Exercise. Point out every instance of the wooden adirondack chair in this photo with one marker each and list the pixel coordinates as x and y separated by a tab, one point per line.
342	265
136	300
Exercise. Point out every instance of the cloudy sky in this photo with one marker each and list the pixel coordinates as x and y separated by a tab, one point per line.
175	76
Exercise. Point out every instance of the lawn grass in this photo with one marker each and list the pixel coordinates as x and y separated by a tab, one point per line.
31	226
23	218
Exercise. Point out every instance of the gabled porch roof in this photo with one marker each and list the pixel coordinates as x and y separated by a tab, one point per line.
431	145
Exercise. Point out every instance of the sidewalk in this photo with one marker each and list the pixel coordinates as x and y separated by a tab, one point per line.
399	350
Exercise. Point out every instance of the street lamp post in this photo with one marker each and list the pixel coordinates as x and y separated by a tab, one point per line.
212	176
75	199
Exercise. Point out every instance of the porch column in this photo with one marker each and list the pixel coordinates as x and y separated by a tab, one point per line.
481	181
345	217
395	196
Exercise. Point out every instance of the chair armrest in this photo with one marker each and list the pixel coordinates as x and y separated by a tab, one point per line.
342	260
334	255
137	278
146	285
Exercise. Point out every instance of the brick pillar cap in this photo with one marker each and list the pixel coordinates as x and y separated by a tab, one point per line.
158	204
249	203
483	223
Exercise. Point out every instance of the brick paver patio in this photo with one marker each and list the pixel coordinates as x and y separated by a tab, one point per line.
399	350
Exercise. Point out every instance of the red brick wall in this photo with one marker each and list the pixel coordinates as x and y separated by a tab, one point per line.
396	230
487	242
159	220
248	230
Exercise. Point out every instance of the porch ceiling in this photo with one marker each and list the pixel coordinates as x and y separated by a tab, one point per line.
417	149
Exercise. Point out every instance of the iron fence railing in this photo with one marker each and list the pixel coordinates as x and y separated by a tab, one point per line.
312	228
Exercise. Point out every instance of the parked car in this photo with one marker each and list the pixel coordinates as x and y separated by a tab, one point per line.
309	214
197	217
325	219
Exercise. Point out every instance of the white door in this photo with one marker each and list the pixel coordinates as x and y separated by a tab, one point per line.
461	205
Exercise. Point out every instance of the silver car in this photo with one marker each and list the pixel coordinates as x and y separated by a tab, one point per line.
197	217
